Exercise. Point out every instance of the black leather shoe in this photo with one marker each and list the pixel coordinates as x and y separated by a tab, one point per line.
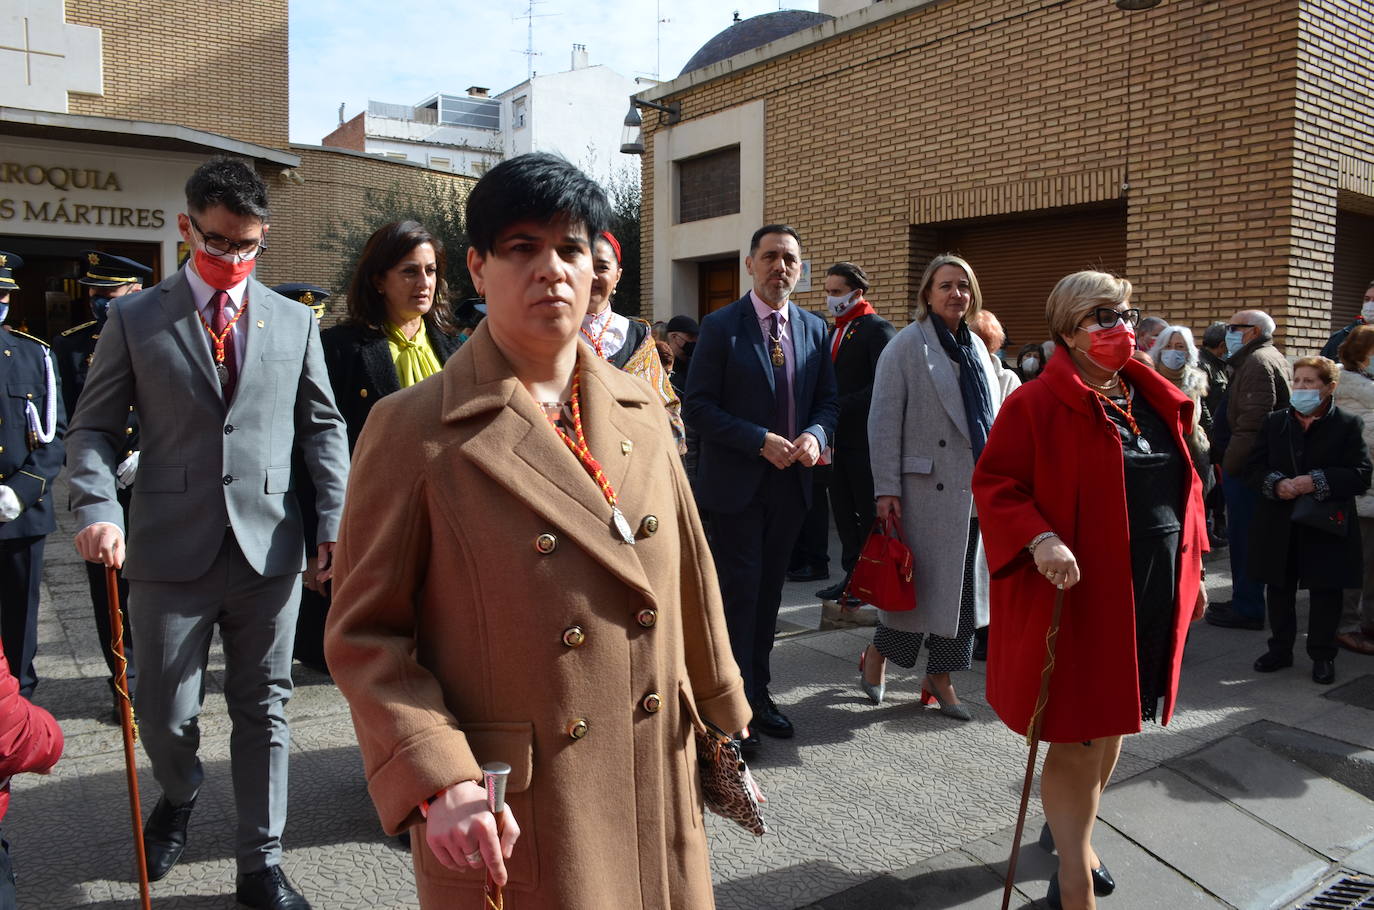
834	592
1103	883
1224	616
768	719
164	836
269	889
1270	661
1324	672
809	573
749	745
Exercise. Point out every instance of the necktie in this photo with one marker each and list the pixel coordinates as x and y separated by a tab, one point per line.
782	389
221	327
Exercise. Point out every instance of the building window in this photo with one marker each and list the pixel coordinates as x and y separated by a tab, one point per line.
400	156
519	109
708	185
443	164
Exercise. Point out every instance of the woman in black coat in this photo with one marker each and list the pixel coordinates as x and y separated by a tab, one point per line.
1309	458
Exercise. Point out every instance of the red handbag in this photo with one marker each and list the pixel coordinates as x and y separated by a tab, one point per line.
882	576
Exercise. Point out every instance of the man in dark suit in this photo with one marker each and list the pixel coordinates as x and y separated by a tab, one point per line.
227	378
107	278
761	393
32	421
859	337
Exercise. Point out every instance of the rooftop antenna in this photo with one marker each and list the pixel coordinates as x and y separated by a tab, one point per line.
530	15
658	65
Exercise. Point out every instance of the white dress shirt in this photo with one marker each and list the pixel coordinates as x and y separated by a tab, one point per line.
201	293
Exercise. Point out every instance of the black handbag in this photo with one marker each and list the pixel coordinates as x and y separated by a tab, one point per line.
1331	516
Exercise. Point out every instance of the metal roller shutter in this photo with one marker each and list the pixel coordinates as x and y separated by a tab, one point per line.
1353	268
1019	261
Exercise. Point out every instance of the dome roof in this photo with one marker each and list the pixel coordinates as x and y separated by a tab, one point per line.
750	33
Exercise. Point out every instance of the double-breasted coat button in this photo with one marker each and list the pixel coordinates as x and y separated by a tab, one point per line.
942	443
362	393
128	431
545	543
647	618
649	525
577	729
653	703
573	636
228	479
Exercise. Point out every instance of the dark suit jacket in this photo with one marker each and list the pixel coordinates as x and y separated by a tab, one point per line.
863	339
30	473
361	370
730	400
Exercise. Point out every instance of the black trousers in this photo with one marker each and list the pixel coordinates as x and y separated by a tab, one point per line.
9	898
21	572
851	501
1323	619
751	549
95	580
812	548
309	646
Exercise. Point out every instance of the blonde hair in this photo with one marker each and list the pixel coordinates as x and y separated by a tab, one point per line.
922	307
1324	366
1077	295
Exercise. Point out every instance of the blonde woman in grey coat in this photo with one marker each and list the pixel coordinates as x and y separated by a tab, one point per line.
935	395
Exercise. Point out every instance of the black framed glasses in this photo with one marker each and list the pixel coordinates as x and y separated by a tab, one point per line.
1110	316
223	246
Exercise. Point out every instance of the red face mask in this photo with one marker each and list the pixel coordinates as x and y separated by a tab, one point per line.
222	274
1111	348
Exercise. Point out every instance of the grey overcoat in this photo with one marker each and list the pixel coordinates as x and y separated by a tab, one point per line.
919	445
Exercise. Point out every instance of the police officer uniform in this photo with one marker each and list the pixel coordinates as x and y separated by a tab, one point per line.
74	350
309	646
32	421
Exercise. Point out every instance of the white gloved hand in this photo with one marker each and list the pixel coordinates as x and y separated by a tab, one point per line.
10	506
126	471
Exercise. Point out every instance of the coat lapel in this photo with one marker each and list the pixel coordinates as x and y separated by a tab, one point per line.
749	329
942	375
801	376
518	449
180	310
377	363
256	323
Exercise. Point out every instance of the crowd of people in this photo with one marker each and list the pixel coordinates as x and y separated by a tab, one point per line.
426	505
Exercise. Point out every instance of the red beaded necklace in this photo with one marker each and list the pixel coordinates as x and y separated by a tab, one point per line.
577	443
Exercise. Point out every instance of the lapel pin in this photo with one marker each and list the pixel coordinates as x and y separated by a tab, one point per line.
626	446
261	324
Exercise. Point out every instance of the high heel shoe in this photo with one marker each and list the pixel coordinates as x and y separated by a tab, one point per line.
1103	883
953	709
874	693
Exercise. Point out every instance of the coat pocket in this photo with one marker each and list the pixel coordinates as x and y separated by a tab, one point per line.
161	478
512	743
278	480
917	464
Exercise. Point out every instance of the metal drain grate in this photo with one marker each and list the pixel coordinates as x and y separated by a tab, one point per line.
1350	892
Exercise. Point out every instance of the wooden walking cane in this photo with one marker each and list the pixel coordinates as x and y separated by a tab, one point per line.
126	723
494	777
1033	738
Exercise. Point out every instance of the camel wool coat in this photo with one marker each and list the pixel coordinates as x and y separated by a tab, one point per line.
483	611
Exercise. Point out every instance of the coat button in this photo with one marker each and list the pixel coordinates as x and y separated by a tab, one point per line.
128	431
228	479
939	486
573	637
942	443
647	618
653	703
626	447
228	428
649	525
545	544
362	393
28	394
577	729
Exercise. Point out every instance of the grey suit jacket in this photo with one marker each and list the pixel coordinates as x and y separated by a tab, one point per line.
205	466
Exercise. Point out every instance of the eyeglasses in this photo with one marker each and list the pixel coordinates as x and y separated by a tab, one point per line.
223	246
1110	316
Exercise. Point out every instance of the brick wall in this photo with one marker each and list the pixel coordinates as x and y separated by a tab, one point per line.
174	62
333	193
995	102
350	135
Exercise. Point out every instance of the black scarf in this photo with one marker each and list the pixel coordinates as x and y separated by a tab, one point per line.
973	384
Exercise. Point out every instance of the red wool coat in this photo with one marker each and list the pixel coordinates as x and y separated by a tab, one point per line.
1053	463
30	740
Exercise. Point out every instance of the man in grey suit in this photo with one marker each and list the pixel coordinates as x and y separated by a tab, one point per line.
226	377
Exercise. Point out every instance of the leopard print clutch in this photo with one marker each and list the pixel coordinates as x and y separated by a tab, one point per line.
725	780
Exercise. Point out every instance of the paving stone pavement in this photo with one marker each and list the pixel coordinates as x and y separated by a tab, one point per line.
1257	792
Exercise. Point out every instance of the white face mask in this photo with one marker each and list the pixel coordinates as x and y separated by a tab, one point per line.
1030	364
1367	311
839	305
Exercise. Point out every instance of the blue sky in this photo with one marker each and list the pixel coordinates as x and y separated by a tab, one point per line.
346	52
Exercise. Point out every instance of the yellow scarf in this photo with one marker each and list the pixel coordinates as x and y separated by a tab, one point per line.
414	360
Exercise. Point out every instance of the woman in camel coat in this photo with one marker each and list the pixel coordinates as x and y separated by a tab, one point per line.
487	610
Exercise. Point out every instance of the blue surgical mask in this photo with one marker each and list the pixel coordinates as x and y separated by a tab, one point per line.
1174	359
100	308
1305	401
1234	341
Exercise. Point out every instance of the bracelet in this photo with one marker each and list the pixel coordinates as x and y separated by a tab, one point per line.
1038	539
425	804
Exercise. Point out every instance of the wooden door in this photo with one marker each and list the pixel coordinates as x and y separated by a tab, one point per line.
717	284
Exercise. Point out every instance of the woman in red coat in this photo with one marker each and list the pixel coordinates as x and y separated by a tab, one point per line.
1085	486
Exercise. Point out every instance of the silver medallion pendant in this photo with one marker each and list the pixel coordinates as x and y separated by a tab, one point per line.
621	526
1143	445
222	372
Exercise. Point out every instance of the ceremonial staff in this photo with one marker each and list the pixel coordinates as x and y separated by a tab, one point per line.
1033	738
126	723
494	776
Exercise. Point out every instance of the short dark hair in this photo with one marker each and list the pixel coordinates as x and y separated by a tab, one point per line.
534	187
229	182
1214	335
388	245
772	229
853	276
